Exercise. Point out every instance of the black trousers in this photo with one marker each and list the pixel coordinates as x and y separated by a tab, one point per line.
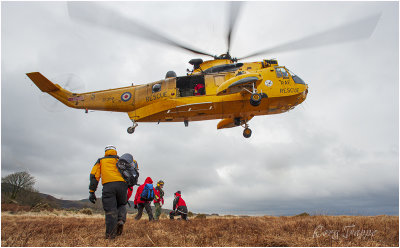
114	204
177	213
147	206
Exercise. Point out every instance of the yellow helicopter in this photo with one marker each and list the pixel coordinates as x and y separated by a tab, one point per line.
221	88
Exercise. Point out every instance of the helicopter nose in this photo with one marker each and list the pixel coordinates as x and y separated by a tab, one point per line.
304	94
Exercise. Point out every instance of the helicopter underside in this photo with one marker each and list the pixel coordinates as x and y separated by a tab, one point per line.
233	113
222	110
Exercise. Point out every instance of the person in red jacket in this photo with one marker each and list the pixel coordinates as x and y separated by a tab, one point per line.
179	207
199	89
140	204
130	191
158	198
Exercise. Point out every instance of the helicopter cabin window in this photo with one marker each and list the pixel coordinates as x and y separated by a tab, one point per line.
281	72
190	86
156	88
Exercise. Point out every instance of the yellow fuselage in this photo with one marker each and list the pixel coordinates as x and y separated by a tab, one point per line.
143	104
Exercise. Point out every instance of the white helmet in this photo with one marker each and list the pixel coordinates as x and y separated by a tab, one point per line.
109	147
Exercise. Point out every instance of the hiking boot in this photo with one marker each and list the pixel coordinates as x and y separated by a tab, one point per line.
120	227
110	236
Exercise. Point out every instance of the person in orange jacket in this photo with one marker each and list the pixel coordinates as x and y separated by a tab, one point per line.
114	191
140	203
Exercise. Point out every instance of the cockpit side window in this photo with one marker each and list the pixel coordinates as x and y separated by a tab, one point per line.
281	72
296	78
156	88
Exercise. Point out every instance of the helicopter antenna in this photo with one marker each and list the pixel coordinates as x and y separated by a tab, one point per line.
357	30
98	15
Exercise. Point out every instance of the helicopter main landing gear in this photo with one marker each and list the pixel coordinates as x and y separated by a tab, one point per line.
131	129
255	99
247	132
243	122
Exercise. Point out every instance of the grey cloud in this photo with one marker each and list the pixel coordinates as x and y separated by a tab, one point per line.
337	153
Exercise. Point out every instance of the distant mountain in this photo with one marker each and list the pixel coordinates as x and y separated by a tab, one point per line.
67	204
85	203
79	204
32	198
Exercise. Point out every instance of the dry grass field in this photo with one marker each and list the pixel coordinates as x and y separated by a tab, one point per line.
56	229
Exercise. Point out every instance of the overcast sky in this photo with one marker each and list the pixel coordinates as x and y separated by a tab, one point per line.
337	153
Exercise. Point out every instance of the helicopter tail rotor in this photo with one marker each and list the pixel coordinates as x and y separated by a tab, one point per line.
70	82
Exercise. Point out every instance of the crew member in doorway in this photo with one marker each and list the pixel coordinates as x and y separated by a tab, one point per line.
199	89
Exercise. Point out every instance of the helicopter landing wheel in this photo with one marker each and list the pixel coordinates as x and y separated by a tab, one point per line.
247	132
130	130
255	99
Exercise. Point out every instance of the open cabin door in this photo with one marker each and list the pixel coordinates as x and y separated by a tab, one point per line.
190	86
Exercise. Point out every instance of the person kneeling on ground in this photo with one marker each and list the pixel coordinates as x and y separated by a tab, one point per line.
179	207
141	202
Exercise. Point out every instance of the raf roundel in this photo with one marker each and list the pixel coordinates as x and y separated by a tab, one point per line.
268	83
126	96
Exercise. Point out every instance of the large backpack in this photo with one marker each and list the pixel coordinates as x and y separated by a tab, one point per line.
147	193
127	167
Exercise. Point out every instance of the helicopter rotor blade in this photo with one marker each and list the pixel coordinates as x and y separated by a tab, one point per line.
95	14
357	30
235	7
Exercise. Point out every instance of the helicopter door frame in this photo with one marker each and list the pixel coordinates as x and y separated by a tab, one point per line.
170	87
160	89
185	85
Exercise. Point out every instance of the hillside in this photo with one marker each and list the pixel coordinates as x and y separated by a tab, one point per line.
78	204
42	230
31	199
22	225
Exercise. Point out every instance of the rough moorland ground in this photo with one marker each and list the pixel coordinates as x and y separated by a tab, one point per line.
81	230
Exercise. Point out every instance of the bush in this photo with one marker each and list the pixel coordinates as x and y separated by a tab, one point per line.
86	211
302	215
41	207
200	216
12	207
190	214
229	216
31	198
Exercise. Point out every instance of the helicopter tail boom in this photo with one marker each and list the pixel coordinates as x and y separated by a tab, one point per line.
54	90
